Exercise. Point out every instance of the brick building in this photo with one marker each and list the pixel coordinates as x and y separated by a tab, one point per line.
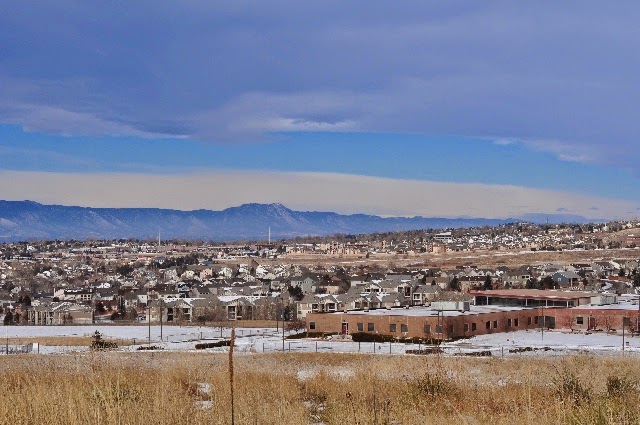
428	323
597	317
538	298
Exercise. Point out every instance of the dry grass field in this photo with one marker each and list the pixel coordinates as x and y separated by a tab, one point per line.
481	258
193	388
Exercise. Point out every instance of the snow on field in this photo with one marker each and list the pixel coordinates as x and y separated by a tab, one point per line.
535	338
139	333
176	338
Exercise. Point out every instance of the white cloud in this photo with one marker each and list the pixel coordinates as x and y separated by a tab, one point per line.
302	191
229	73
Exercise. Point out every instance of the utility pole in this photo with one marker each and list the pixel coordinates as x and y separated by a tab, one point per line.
282	313
543	323
623	334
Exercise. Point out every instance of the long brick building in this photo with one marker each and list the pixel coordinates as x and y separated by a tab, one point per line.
426	322
451	320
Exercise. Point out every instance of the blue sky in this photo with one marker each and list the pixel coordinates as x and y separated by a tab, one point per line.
538	98
443	159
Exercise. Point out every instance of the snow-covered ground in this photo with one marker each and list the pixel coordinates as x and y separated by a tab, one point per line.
554	341
138	332
175	338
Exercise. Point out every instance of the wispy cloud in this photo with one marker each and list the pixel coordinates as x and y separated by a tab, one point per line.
227	72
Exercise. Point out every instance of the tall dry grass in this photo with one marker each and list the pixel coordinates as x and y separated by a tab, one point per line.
302	388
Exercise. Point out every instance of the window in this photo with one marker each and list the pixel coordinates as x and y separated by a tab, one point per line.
466	327
579	320
508	323
360	327
495	324
392	327
427	329
488	325
438	329
473	326
370	327
528	320
404	328
516	322
312	325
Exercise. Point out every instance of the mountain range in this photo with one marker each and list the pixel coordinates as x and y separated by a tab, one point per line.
23	220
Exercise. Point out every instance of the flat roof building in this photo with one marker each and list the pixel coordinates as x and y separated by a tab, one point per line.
539	298
426	322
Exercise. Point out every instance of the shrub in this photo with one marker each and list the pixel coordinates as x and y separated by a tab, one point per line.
202	346
568	387
619	386
369	337
149	348
435	384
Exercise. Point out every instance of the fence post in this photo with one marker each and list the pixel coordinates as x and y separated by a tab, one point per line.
316	346
374	348
390	347
263	347
358	346
502	352
289	347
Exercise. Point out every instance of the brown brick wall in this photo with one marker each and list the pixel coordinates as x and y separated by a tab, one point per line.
602	319
452	326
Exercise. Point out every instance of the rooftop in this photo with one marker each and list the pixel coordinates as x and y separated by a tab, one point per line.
429	312
536	293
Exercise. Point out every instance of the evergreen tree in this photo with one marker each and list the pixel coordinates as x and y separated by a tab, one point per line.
547	283
8	318
488	283
454	285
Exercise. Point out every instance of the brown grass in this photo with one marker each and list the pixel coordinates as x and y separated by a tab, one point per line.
481	258
301	388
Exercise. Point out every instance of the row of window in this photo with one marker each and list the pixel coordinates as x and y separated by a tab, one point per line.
393	327
404	328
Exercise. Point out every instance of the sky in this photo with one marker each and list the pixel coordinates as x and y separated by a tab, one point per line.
458	109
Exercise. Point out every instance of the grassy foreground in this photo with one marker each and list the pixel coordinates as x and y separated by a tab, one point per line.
296	388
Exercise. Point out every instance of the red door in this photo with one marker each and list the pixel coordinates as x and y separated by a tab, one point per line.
592	322
345	328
